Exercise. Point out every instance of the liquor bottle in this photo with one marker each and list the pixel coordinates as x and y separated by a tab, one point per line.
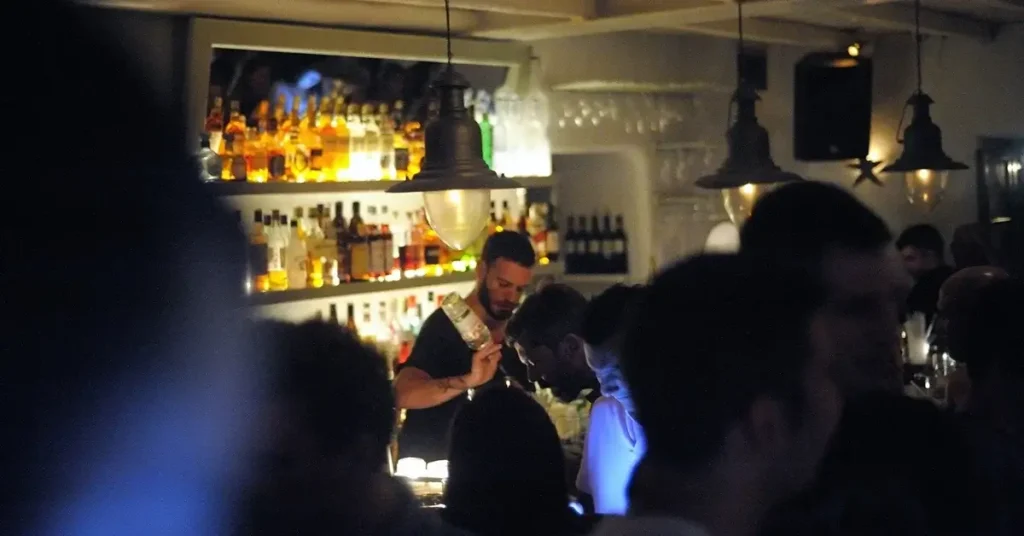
276	168
417	146
620	250
376	244
214	126
209	161
508	220
553	243
487	139
608	255
387	143
342	153
277	243
341	235
594	243
389	248
327	128
316	146
315	263
290	142
235	133
473	330
332	315
295	258
350	320
309	156
356	144
280	115
372	143
258	263
327	246
571	253
401	143
537	227
359	246
255	154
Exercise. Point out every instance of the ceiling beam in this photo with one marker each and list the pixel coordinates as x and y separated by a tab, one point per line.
710	11
773	32
900	18
354	14
559	9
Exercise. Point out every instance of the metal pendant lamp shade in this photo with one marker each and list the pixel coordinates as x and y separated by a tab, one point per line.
454	153
454	179
922	142
748	168
749	160
924	164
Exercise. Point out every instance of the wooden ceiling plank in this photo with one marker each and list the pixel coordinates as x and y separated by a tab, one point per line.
710	11
561	9
900	17
773	32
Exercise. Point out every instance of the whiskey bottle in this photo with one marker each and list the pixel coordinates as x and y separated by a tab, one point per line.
387	143
359	246
258	261
295	257
401	143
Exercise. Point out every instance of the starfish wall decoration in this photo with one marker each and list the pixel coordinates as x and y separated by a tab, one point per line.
866	171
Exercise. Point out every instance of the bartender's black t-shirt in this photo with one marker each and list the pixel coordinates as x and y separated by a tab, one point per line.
440	352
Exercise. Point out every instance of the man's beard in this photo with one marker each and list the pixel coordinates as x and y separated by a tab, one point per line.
485	300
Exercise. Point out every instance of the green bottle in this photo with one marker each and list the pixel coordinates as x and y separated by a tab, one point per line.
487	140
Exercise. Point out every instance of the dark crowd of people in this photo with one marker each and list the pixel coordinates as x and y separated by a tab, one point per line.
757	393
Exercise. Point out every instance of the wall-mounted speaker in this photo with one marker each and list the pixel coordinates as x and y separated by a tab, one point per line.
832	107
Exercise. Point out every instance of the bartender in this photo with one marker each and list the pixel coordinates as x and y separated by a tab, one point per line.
433	383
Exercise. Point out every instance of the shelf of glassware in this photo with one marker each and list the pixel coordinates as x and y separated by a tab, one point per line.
385	285
238	188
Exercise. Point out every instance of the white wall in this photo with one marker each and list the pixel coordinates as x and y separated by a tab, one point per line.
978	89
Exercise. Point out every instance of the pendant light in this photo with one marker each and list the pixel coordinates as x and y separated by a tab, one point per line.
455	181
748	170
925	166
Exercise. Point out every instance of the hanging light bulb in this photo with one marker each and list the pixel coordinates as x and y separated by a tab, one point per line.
748	171
455	181
925	166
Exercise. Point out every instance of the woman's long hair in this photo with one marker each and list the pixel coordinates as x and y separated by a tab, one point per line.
506	468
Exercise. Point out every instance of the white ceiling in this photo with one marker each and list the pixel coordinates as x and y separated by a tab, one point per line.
811	22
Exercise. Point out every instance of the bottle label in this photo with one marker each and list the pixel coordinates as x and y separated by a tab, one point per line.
608	248
402	159
258	160
316	159
620	247
238	168
469	326
432	255
259	262
277	166
323	248
594	247
274	263
359	260
551	242
389	255
570	247
301	161
375	256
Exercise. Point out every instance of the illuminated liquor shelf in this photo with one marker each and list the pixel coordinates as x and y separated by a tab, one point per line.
237	188
370	287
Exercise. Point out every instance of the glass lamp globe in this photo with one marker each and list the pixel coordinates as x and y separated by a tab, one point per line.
739	202
925	187
457	216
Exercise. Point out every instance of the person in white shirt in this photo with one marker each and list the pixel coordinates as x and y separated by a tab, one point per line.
730	369
615	440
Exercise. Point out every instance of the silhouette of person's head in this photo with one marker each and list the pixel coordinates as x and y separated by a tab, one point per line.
128	377
837	239
546	331
332	419
729	367
506	468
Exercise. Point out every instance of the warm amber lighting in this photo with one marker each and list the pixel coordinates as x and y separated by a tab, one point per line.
739	202
853	50
925	187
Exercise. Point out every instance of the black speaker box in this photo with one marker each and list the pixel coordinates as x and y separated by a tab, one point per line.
832	107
